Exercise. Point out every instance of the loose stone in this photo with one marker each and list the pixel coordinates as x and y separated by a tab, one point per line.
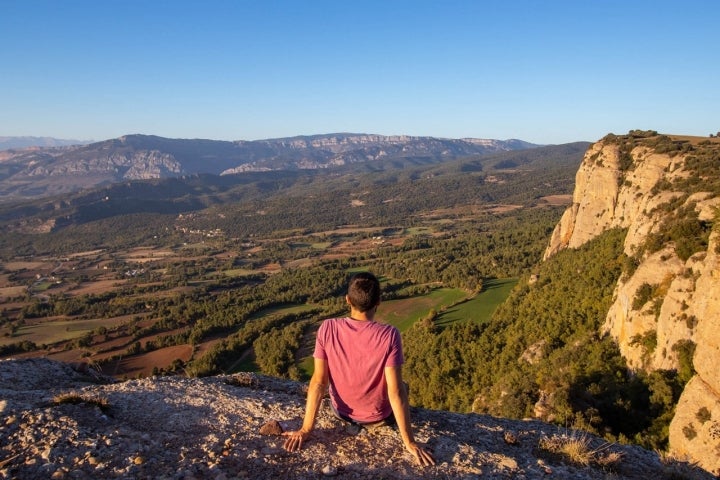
329	471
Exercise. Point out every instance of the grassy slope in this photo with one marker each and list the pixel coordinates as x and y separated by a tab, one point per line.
481	307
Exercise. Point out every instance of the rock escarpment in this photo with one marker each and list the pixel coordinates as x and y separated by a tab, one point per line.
58	422
666	309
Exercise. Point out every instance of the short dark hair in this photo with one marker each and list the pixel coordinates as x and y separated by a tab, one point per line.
364	291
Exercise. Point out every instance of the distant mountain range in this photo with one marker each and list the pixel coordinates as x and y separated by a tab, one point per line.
9	143
44	171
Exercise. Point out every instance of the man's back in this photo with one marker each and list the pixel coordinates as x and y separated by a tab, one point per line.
357	352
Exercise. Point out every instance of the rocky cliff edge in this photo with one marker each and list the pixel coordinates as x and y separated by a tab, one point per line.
63	422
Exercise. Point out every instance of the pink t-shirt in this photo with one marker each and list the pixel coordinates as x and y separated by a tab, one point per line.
357	353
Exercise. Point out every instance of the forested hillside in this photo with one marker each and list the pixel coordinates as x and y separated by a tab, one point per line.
542	355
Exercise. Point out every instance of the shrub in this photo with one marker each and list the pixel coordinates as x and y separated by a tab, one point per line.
703	415
577	449
626	161
689	432
642	133
78	398
642	296
629	264
18	347
647	340
685	349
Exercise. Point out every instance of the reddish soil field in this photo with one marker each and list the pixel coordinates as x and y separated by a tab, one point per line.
557	200
95	287
11	292
205	347
142	365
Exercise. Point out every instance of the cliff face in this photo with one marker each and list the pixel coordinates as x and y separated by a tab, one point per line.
667	303
59	422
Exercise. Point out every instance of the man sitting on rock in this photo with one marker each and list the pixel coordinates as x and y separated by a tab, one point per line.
361	360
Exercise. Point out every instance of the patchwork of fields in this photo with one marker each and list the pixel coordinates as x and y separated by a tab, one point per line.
142	275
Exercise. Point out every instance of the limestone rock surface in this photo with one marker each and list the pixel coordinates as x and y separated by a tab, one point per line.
185	428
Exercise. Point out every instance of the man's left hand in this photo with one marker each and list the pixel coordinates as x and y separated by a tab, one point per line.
294	440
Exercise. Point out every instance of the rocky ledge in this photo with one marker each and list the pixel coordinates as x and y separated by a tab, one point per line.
61	421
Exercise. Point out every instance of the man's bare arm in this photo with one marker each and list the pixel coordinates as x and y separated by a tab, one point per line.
401	409
316	390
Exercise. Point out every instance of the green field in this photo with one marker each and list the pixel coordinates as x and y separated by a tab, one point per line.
419	231
282	310
403	313
239	272
481	307
42	286
314	246
60	330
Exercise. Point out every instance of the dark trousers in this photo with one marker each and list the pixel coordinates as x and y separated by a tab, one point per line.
387	421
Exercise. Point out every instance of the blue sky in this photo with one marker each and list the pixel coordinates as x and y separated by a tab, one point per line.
543	71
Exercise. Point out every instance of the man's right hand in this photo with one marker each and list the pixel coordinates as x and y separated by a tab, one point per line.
423	457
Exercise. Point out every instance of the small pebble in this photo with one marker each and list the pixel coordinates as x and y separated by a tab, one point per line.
329	471
510	437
